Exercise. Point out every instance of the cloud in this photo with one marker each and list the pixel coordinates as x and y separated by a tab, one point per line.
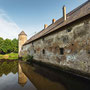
8	28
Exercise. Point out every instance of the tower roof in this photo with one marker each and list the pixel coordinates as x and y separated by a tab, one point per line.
23	33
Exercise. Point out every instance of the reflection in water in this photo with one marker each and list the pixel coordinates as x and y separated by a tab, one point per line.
7	67
9	78
48	79
22	79
40	82
42	78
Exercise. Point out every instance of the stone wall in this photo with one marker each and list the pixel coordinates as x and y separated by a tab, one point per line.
69	47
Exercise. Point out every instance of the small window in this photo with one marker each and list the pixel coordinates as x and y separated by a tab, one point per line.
34	51
61	51
43	38
32	43
72	44
69	29
43	51
89	52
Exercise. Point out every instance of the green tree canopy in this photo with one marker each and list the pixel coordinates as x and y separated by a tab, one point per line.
8	45
1	44
15	45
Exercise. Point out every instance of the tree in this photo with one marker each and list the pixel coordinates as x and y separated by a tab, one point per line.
15	45
8	46
1	43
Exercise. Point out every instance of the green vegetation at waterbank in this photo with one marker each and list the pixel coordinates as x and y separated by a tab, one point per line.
8	46
8	49
10	56
28	58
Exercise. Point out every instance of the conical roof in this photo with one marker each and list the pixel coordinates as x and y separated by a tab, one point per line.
23	33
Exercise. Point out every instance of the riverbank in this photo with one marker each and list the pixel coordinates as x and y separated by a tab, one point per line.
10	56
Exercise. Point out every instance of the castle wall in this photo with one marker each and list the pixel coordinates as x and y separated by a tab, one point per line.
69	46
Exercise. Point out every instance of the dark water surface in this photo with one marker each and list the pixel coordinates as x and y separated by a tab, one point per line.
16	75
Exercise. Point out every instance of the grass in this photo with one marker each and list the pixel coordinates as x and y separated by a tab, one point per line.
10	56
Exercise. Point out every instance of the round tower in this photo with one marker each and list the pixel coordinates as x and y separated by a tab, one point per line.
22	38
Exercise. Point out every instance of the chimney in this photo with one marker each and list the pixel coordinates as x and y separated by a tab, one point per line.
45	26
53	21
64	13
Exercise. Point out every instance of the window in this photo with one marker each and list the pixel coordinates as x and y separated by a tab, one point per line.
89	52
61	51
43	51
32	43
72	44
34	51
43	38
69	29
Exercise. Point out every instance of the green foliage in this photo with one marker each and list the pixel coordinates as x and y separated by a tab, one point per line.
8	46
1	44
15	45
28	58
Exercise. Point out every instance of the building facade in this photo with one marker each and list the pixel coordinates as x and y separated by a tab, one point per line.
66	42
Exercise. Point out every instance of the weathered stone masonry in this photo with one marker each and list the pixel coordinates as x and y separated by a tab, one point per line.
22	38
67	46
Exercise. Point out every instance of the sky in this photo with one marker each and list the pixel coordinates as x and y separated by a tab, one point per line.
31	15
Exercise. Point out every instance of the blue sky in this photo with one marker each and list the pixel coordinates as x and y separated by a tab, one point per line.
30	15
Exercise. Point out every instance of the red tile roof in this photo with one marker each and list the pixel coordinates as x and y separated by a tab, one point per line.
72	16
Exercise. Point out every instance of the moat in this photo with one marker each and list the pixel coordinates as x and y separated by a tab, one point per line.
15	75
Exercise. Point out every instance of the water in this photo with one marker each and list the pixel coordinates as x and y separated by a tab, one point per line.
9	77
16	75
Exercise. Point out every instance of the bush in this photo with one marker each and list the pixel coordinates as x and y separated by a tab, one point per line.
28	58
